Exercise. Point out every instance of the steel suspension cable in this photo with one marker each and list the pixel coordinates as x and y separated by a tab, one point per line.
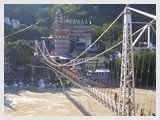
51	70
46	48
139	98
96	39
43	54
153	87
60	81
82	61
137	76
148	71
144	101
27	27
77	58
142	68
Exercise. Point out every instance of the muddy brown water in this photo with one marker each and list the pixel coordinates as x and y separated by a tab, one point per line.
75	102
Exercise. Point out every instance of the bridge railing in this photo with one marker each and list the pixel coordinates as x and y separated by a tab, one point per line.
89	88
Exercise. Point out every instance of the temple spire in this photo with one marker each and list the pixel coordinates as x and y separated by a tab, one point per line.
82	22
74	21
58	16
86	21
78	21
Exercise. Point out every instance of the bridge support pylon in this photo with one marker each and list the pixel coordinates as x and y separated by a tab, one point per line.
127	85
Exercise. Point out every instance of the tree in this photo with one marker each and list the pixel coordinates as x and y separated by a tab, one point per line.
35	32
97	13
144	65
110	38
96	32
19	52
43	13
8	29
144	68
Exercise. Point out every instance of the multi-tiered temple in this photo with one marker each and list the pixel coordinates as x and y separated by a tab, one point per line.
69	36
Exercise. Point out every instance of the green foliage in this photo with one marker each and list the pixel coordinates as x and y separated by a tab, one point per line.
8	29
94	69
33	33
49	45
43	13
118	63
144	63
19	52
96	31
101	16
110	38
97	13
23	12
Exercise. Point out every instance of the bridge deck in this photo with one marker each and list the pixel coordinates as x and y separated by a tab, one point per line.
101	97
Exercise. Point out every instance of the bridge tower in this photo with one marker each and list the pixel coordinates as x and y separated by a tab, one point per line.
127	85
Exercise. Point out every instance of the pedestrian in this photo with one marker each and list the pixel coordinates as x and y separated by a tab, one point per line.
153	114
115	97
141	113
84	82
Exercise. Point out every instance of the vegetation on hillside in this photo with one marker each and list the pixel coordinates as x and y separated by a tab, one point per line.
144	68
20	51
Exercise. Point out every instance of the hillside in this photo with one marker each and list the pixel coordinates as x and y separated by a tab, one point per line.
101	16
98	14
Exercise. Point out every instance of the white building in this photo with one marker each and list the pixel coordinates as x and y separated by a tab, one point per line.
12	22
15	23
7	20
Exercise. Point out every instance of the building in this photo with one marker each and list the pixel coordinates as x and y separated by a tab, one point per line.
7	66
81	32
99	75
80	46
81	67
96	63
7	20
71	39
60	59
9	72
68	36
15	23
62	33
12	22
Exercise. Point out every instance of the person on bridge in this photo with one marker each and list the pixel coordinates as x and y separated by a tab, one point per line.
115	97
141	113
153	114
84	81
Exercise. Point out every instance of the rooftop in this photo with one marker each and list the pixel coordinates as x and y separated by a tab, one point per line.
99	70
60	57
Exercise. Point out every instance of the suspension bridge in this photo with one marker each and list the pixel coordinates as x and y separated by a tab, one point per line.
125	105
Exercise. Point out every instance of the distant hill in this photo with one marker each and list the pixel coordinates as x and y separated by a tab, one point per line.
98	14
23	12
101	15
